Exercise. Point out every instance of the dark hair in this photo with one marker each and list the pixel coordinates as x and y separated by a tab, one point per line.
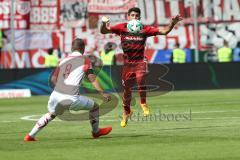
225	43
177	45
134	9
110	46
50	51
78	44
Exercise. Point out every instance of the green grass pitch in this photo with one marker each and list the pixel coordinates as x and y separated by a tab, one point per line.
211	133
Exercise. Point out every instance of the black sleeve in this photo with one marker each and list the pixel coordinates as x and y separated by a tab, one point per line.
171	58
89	71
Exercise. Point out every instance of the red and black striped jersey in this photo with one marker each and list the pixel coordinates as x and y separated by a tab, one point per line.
133	45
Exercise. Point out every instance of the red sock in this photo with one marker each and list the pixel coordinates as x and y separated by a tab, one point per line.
127	97
142	92
126	109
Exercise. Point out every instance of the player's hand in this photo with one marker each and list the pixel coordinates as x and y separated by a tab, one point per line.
105	19
106	97
177	19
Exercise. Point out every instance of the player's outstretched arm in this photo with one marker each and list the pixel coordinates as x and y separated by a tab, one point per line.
166	30
93	79
55	76
105	26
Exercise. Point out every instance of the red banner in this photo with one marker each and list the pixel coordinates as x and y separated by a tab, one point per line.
110	6
21	14
44	14
73	13
35	14
24	59
64	20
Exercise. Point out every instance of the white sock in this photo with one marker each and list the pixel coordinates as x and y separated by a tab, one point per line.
41	123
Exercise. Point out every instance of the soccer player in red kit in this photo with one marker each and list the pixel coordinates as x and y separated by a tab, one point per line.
135	66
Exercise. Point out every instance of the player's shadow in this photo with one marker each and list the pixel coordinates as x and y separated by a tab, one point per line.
117	136
120	136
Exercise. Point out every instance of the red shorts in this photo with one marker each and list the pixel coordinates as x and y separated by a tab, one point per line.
132	72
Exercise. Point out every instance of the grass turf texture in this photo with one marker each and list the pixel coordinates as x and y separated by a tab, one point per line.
212	133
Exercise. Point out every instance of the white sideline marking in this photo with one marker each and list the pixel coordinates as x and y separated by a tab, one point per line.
217	118
7	121
31	118
201	104
216	111
35	117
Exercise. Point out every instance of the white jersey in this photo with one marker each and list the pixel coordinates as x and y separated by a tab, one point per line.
71	71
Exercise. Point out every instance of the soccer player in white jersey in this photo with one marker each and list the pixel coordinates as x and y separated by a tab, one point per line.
67	78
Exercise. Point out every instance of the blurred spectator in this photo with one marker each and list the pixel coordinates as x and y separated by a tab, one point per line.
224	53
1	45
96	62
211	55
2	38
108	54
178	55
1	41
59	53
238	44
51	60
236	53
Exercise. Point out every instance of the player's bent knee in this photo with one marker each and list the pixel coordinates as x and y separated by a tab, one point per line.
52	115
127	88
82	103
95	106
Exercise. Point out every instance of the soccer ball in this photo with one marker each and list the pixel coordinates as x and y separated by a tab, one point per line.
134	26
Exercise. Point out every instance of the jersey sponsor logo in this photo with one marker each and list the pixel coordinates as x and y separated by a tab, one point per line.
133	38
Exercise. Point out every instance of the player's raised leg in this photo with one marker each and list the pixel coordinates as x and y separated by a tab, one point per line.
94	121
128	82
41	123
85	103
142	89
127	112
